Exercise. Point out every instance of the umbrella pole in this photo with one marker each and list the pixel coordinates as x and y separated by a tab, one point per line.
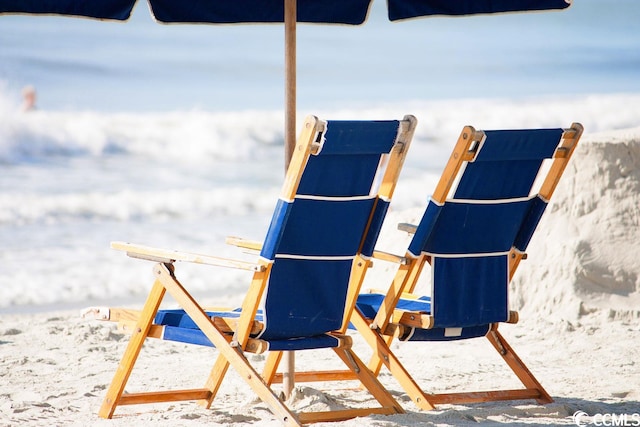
290	18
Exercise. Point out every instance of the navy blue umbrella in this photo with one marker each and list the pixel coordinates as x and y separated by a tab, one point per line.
262	11
289	12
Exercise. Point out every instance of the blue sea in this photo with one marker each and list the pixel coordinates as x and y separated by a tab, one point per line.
172	135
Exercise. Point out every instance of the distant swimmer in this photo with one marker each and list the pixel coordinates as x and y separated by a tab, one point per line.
28	98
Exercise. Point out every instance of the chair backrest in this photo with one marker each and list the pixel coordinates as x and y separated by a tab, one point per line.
333	215
486	215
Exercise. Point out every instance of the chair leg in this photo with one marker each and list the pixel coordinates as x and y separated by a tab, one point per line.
533	389
375	363
427	401
369	380
114	393
271	366
517	365
383	354
233	355
215	380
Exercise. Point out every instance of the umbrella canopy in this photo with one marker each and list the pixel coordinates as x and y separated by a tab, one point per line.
289	12
264	11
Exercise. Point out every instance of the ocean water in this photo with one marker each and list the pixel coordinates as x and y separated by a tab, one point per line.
172	135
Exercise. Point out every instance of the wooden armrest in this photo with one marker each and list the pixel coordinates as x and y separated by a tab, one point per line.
129	326
128	318
230	325
111	314
256	346
404	295
409	228
413	319
426	321
397	331
240	242
386	256
171	256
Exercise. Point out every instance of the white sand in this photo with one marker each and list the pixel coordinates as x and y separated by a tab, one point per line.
578	295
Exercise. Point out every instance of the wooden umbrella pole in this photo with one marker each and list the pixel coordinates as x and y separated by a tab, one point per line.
290	20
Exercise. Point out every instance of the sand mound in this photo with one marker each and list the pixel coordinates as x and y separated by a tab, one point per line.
584	256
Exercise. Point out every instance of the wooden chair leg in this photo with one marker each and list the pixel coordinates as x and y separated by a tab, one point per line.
114	393
517	365
426	401
271	366
375	363
383	354
233	355
215	380
370	381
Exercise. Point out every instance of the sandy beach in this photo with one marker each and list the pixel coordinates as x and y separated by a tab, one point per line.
578	296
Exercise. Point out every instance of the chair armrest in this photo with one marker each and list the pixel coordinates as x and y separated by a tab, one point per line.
171	256
111	314
409	228
386	256
413	319
240	242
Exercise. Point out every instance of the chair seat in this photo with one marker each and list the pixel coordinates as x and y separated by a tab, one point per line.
197	337
179	327
178	317
369	304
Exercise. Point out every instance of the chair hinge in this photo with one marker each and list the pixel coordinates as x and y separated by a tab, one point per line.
496	339
354	365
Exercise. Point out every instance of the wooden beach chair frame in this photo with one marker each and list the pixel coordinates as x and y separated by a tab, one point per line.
233	338
391	323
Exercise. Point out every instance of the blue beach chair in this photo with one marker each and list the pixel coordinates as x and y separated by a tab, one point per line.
306	278
474	233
